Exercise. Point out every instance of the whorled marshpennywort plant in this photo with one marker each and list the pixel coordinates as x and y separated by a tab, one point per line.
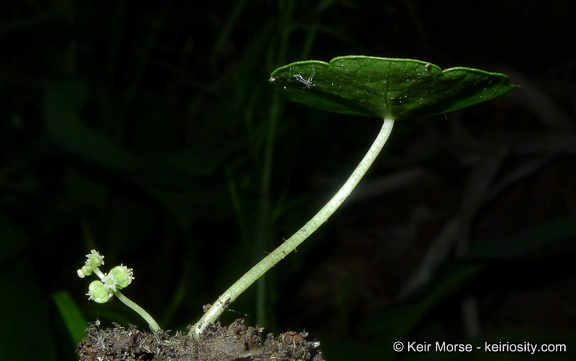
389	89
385	88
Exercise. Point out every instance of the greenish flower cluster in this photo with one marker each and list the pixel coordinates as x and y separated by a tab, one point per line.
110	285
103	290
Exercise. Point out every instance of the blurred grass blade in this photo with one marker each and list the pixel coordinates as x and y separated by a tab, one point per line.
397	322
24	333
73	318
63	103
531	240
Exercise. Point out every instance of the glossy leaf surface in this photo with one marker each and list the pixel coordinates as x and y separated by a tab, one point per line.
385	87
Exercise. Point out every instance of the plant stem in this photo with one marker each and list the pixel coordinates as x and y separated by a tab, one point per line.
302	234
151	322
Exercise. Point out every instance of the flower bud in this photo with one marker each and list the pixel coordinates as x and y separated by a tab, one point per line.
123	276
85	271
98	292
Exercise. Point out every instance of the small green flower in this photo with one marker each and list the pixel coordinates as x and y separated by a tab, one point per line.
123	276
95	260
98	292
110	282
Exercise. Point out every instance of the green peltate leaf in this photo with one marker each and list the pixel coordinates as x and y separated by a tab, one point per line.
386	88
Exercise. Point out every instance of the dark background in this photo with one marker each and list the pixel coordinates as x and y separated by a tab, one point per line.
149	131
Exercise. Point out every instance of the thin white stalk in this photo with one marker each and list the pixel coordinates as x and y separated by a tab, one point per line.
302	234
139	310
